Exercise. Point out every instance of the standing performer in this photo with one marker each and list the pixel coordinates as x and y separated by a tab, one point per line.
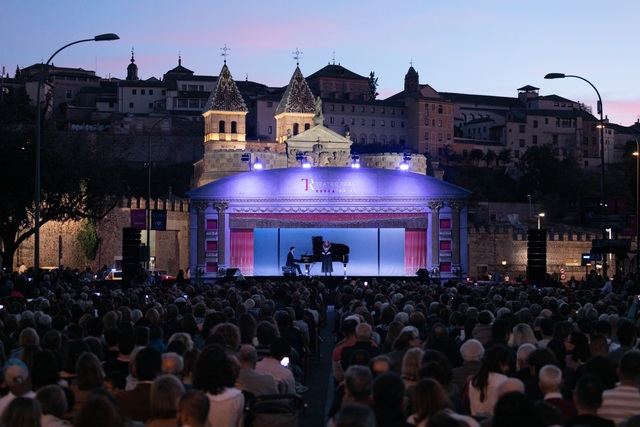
327	261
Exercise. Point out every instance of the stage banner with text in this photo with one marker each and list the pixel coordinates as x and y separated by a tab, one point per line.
138	218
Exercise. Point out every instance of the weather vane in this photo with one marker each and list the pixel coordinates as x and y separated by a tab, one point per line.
334	57
297	55
411	62
225	52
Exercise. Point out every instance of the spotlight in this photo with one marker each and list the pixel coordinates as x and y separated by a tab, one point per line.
355	161
355	165
306	165
257	165
404	166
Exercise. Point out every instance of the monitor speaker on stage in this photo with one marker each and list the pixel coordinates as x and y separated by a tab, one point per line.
536	256
422	273
232	272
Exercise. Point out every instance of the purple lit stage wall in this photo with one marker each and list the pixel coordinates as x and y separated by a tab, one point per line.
373	251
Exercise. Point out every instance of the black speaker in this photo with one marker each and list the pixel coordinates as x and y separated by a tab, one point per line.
536	256
422	273
131	239
232	272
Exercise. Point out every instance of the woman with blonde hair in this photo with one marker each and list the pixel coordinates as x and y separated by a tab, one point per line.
166	392
411	367
522	334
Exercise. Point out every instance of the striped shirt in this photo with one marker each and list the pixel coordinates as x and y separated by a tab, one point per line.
620	403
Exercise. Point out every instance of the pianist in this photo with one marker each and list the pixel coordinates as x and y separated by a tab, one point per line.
291	260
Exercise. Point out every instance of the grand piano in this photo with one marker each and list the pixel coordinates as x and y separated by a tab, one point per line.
339	253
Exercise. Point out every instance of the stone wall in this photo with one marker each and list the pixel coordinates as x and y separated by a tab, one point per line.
418	162
171	247
489	247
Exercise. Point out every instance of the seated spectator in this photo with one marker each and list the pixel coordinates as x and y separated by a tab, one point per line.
22	412
193	409
363	343
626	335
483	389
54	406
172	364
411	367
99	411
166	391
249	379
135	403
427	399
623	401
16	379
89	376
587	398
380	365
550	381
388	400
354	415
514	409
215	375
272	365
472	353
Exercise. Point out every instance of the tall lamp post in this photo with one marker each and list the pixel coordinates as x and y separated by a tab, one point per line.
148	204
41	78
602	193
637	154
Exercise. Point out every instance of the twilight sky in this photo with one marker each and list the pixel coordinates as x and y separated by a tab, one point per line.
488	47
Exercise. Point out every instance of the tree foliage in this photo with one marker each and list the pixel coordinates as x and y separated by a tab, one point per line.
373	86
88	238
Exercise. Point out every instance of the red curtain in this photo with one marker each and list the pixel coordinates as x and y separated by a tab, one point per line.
415	250
242	250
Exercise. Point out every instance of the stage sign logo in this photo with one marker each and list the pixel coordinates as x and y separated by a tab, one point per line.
314	186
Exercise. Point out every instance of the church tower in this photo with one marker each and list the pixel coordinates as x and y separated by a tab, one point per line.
225	115
296	109
411	81
132	69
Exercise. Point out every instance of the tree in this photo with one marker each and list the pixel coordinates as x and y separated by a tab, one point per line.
75	182
489	157
373	86
504	156
475	155
88	238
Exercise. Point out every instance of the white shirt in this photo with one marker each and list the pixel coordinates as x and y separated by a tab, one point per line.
6	399
226	409
485	408
282	375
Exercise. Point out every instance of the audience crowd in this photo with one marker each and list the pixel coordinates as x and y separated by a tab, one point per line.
83	352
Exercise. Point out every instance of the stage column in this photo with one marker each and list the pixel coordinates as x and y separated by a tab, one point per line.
456	206
221	207
200	233
434	207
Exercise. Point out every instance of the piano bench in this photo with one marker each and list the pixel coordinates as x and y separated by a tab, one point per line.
288	271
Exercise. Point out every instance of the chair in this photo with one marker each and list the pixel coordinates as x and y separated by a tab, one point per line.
275	410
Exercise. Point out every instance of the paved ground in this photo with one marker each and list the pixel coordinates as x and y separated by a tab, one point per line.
319	379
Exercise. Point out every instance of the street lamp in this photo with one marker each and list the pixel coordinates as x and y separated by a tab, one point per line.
637	154
540	216
41	78
551	76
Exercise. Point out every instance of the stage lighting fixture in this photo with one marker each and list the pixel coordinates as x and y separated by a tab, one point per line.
355	161
306	165
257	165
404	166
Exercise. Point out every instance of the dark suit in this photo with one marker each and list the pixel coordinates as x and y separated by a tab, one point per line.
291	262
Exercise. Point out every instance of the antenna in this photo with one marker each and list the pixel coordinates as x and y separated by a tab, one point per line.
334	57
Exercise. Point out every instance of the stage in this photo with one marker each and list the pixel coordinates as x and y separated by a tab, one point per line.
392	222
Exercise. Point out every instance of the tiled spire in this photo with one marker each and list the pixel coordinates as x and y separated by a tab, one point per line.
298	97
226	96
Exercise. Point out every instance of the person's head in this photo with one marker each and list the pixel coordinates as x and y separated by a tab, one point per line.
172	364
577	345
411	364
16	376
626	333
550	379
429	398
214	370
353	415
89	371
28	336
515	409
266	332
587	395
522	334
496	360
349	327
99	411
292	249
522	355
166	390
388	392
248	356
45	369
229	333
546	327
603	368
363	332
472	351
380	365
22	412
539	358
148	364
193	409
409	337
52	400
358	382
511	385
500	331
629	368
279	348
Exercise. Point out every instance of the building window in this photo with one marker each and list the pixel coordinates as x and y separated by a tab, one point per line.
269	104
151	105
134	92
439	137
307	126
439	123
131	105
270	130
363	122
554	139
211	267
373	109
353	121
445	224
448	137
401	124
142	92
382	123
535	124
426	136
221	126
439	108
373	122
522	128
296	127
342	107
535	139
546	120
353	108
341	120
393	124
333	107
201	88
150	91
516	154
331	120
522	143
212	245
445	245
362	109
69	94
194	103
234	127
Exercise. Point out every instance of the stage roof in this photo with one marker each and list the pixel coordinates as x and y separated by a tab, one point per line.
328	184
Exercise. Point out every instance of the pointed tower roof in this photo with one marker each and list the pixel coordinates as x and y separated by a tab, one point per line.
298	97
226	96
